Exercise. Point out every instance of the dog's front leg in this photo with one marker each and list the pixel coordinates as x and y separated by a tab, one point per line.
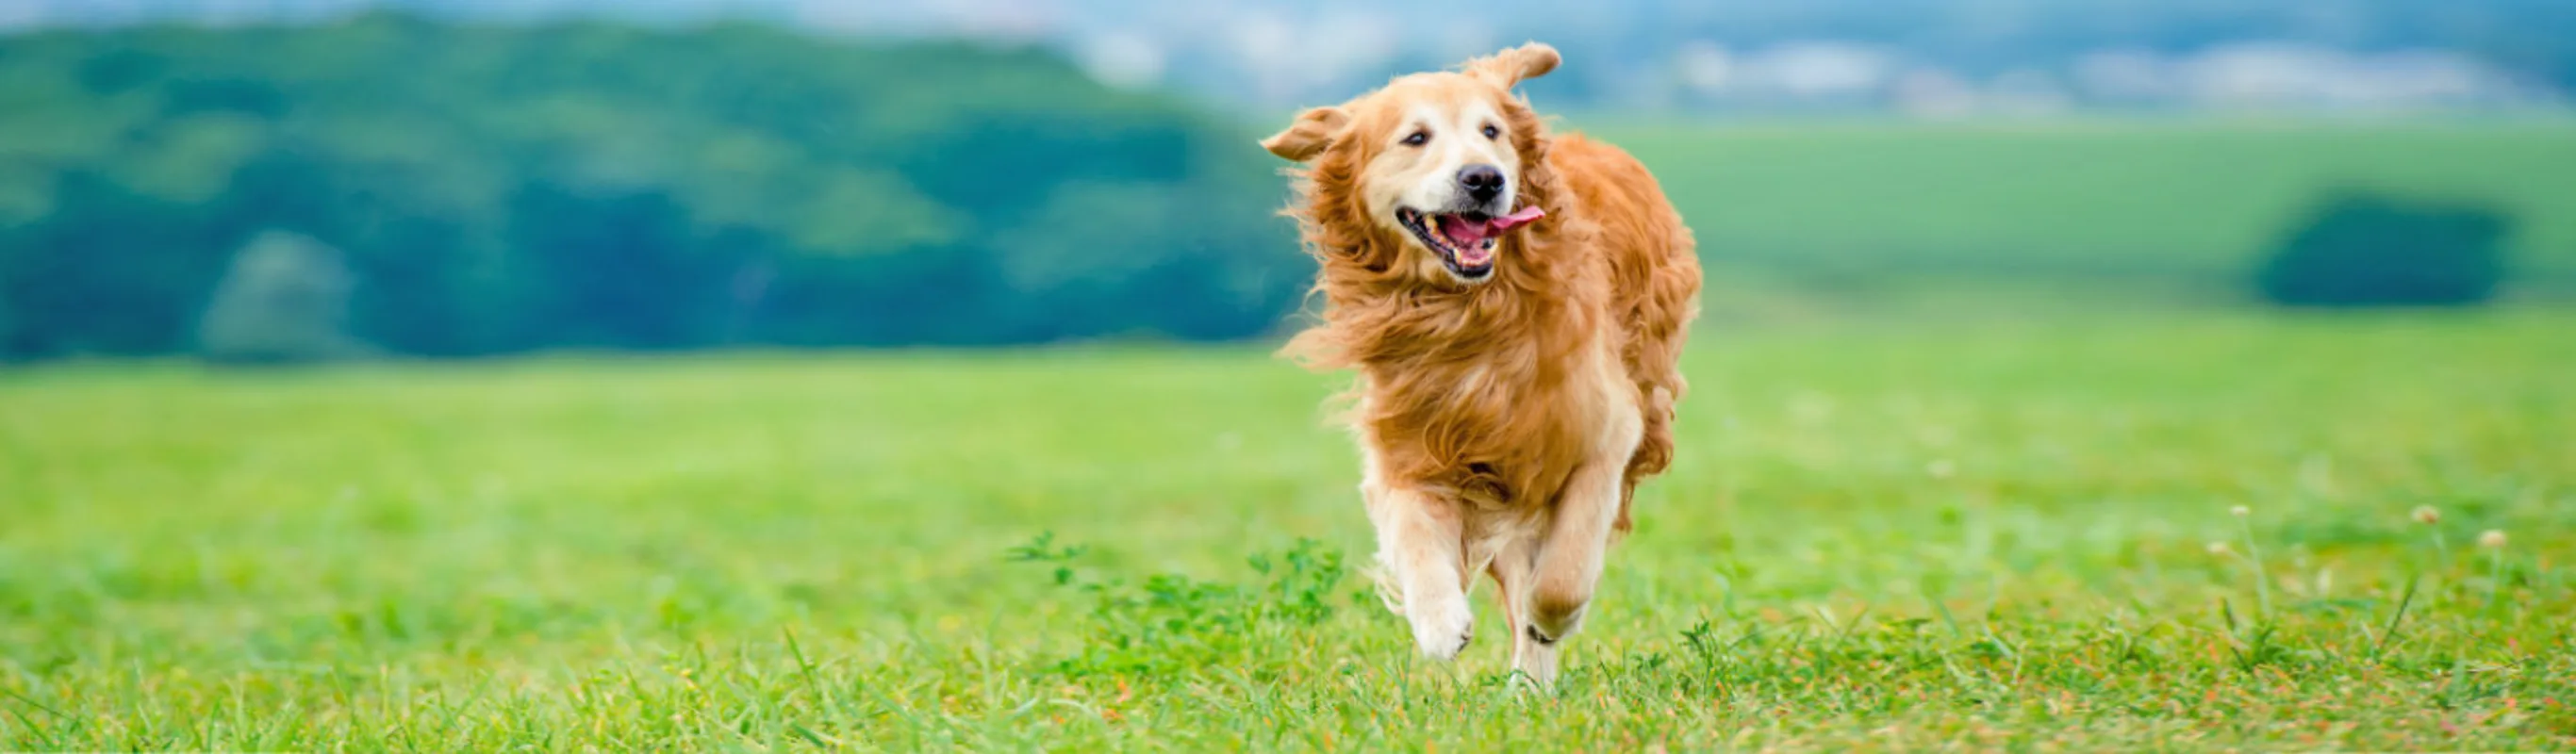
1419	538
1568	565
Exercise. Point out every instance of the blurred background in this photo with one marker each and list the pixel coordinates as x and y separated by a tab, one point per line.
303	180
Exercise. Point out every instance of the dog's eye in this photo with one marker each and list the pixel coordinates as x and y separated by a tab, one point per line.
1493	133
1418	138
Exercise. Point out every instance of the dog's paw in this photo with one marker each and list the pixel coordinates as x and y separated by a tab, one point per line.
1442	626
1535	674
1534	661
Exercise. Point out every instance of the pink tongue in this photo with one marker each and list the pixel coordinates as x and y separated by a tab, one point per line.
1523	217
1467	233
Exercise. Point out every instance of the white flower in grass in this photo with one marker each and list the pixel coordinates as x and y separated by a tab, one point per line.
2492	539
2424	514
2240	511
2221	549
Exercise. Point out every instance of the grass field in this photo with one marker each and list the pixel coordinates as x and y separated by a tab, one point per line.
2139	198
1878	536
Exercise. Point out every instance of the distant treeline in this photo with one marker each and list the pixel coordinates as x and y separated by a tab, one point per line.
394	184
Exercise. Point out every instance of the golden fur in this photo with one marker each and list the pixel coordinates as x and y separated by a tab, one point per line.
1482	404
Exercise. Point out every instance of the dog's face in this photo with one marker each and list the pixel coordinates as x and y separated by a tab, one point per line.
1437	158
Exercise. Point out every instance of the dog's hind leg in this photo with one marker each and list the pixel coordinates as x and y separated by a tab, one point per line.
1419	540
1515	570
1654	452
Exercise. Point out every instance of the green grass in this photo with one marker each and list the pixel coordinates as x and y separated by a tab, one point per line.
1877	536
2140	198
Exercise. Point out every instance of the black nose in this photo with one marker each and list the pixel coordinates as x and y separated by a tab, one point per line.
1483	182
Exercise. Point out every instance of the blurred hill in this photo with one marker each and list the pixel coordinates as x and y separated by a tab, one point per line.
2116	198
492	189
1936	58
494	178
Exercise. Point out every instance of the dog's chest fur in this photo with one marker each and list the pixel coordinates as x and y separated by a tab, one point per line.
1506	428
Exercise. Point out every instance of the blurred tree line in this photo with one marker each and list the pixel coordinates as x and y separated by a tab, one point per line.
2365	248
391	183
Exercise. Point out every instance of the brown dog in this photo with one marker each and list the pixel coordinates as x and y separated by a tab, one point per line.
1515	303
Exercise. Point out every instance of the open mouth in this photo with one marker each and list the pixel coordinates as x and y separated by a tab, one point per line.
1465	240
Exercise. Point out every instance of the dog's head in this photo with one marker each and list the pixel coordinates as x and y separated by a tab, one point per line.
1438	167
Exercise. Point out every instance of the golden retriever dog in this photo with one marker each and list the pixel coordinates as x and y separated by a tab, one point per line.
1514	302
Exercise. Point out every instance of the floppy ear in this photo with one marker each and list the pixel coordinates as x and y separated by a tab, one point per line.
1314	130
1510	67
